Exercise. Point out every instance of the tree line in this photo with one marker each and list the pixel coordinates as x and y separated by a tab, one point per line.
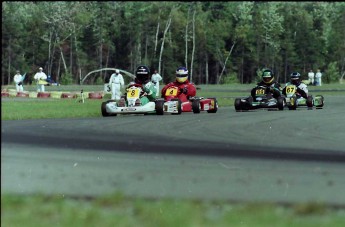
219	42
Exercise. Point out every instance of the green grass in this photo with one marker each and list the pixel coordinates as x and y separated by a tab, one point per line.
118	210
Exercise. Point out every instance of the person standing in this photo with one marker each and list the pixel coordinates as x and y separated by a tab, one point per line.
18	80
155	78
40	78
311	76
318	76
116	82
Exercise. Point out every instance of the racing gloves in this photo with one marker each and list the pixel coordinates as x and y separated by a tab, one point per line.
184	90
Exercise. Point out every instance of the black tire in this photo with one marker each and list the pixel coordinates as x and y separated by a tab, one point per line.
196	106
104	111
179	106
237	104
215	106
310	101
160	107
280	103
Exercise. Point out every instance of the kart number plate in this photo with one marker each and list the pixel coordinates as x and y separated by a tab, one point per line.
260	92
172	91
290	89
133	93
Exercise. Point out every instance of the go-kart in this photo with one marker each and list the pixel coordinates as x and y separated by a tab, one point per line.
262	99
175	100
294	100
130	103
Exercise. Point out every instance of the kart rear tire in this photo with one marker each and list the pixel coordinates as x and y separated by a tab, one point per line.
196	106
280	103
310	101
160	107
179	106
215	106
237	104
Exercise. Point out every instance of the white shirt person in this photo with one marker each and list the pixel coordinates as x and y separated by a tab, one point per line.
116	81
18	80
318	76
40	78
155	78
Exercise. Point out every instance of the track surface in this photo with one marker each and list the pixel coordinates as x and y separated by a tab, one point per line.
272	156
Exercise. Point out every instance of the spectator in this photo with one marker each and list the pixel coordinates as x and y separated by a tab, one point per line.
311	76
18	80
155	80
40	78
116	82
318	76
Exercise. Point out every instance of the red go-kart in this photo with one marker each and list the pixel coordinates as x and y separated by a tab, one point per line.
174	98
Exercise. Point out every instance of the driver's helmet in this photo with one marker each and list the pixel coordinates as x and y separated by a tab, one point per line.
267	76
181	74
142	74
117	71
295	78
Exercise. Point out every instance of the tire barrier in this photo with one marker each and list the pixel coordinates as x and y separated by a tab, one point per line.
95	95
22	94
5	94
43	95
68	96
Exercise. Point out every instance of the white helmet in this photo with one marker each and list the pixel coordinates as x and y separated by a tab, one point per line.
117	71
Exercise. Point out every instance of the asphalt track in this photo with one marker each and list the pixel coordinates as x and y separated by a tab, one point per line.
258	156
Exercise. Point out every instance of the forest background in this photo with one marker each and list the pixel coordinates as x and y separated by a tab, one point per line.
219	42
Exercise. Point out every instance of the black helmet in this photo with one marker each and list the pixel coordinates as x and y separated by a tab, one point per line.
295	78
142	74
267	76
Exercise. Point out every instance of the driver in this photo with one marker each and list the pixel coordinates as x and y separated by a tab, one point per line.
186	88
143	78
302	89
272	86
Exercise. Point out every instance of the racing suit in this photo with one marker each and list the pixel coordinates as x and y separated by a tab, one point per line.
18	80
187	90
302	90
274	88
116	82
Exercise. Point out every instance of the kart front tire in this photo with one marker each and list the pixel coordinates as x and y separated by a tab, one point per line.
159	107
310	101
104	110
237	104
196	106
214	110
280	103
